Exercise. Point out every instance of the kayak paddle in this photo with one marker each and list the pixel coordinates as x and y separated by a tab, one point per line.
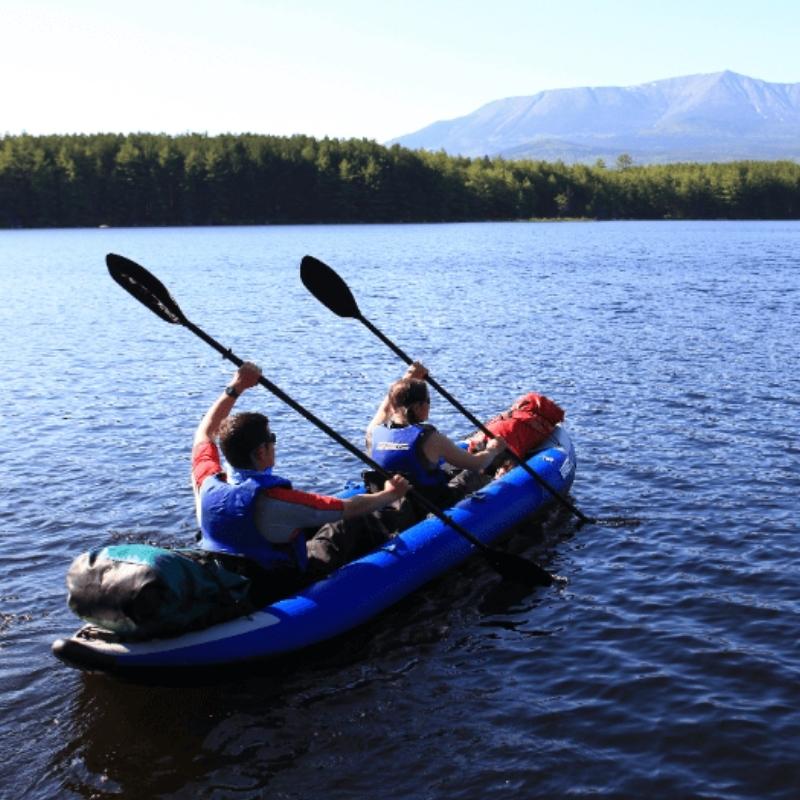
149	291
331	290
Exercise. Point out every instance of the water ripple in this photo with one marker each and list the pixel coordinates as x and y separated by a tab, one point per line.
666	665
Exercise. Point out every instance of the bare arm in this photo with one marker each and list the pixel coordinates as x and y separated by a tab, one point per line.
437	446
245	377
365	503
382	415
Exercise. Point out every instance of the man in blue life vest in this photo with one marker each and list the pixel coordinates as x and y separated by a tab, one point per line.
401	441
254	513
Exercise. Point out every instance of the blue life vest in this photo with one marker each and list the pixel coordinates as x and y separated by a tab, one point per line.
227	520
400	450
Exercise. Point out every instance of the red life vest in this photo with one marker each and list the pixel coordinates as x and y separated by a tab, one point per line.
529	421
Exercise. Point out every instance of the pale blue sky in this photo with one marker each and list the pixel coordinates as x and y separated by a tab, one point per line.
354	67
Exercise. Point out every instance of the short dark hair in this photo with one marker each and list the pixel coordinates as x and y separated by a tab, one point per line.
240	434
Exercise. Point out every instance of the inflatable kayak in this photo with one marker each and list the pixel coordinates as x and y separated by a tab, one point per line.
351	595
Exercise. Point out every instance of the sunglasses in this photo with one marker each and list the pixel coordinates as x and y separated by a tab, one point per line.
271	438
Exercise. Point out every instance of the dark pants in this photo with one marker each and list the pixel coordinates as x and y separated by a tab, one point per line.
338	543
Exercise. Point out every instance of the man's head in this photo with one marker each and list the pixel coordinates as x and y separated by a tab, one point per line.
242	437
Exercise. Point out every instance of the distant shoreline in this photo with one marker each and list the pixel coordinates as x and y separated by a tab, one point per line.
146	180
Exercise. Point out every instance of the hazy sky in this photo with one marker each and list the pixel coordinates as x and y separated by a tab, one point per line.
347	68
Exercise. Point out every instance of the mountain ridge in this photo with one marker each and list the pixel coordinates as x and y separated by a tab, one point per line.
719	116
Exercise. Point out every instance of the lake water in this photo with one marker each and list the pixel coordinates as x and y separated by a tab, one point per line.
667	666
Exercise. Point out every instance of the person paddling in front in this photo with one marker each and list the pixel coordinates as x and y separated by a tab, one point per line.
400	440
255	513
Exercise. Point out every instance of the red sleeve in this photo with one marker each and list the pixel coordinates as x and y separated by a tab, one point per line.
205	462
320	502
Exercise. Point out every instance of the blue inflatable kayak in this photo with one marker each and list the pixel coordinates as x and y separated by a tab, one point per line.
352	594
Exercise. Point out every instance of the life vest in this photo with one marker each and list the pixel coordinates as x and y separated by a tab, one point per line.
227	522
529	421
399	450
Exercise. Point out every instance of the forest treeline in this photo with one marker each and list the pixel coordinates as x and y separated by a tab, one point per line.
194	179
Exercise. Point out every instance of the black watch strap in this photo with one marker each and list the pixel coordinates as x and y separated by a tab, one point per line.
231	392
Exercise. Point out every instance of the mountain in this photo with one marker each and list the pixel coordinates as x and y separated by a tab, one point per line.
723	116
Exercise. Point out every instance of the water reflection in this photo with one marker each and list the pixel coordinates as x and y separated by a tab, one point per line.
144	741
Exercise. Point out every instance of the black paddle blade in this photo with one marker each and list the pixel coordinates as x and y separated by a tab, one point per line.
145	287
518	570
328	287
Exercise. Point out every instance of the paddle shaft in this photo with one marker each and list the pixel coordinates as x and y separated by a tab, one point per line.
314	420
477	423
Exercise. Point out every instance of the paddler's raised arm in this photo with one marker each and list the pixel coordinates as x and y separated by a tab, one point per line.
244	378
384	413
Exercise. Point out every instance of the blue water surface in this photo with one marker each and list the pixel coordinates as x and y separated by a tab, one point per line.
667	666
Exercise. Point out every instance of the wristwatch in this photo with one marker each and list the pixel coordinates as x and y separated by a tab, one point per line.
231	392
